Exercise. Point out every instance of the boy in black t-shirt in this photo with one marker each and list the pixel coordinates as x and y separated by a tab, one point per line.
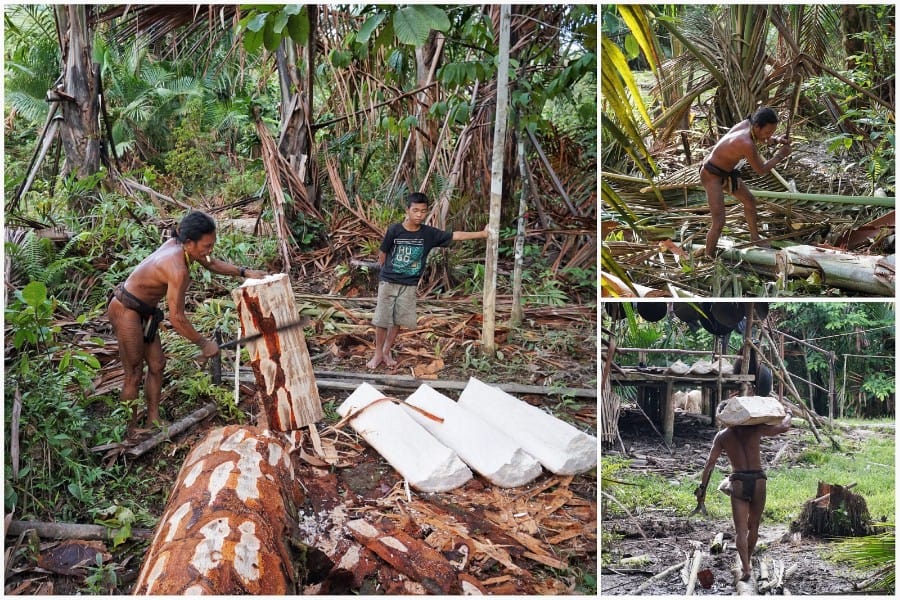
402	259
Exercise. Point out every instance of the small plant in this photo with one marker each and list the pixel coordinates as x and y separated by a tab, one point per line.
102	578
475	360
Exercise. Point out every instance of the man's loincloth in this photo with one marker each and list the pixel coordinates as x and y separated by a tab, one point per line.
748	481
730	179
151	316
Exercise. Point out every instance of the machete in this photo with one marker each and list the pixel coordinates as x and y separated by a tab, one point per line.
255	336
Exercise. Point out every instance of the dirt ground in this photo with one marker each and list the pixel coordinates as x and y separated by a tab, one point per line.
671	538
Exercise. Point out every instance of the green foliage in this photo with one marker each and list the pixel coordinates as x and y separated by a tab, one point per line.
269	25
872	553
187	160
31	60
101	578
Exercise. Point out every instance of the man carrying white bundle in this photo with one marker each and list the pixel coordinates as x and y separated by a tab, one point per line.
748	480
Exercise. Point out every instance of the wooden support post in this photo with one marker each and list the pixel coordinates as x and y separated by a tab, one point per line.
280	359
668	406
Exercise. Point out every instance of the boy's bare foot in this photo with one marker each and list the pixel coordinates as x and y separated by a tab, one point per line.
373	364
389	361
745	576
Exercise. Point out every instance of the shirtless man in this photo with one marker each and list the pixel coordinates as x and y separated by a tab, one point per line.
748	481
718	174
134	314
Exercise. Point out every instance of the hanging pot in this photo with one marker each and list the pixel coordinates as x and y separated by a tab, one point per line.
686	311
729	313
652	311
709	322
614	310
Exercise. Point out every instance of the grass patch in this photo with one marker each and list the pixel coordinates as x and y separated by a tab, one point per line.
869	463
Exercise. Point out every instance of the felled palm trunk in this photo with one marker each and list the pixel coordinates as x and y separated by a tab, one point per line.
870	274
280	359
226	528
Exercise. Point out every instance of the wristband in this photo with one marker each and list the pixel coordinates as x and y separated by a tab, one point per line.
242	271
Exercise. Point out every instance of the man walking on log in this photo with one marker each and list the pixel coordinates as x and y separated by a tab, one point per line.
719	175
748	481
401	258
134	314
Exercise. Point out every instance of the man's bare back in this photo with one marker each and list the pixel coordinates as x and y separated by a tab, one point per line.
741	444
167	265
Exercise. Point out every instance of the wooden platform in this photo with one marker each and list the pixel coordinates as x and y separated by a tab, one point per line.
660	384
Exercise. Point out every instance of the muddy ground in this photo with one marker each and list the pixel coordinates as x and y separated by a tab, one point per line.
672	537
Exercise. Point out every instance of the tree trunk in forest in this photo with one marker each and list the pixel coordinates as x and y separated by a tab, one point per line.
854	20
425	132
490	269
296	138
77	92
515	317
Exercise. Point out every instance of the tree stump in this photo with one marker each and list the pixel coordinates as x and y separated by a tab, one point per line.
280	359
834	512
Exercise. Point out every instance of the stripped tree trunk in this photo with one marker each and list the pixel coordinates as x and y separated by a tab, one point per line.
80	133
867	274
227	526
280	359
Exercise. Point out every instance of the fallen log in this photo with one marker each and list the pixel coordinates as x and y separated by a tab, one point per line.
172	430
696	561
869	274
661	575
350	381
743	588
71	531
229	524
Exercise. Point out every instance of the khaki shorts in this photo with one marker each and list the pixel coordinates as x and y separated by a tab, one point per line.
396	305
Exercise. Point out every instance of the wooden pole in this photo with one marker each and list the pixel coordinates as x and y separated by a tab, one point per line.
71	531
280	359
493	241
515	318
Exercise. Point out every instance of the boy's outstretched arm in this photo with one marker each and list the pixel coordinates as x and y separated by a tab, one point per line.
459	236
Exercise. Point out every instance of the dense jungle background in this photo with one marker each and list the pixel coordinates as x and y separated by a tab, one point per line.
301	129
676	77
